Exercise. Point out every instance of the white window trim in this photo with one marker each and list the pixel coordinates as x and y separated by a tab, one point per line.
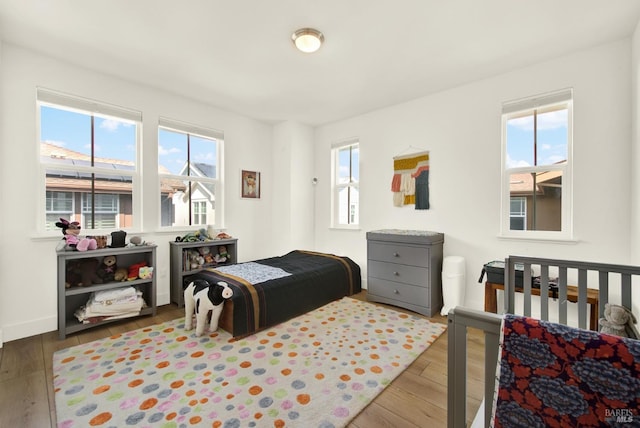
335	149
48	97
218	182
513	108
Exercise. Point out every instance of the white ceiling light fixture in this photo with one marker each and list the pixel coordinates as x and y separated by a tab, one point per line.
307	40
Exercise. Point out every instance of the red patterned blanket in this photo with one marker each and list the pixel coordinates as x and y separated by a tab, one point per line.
553	375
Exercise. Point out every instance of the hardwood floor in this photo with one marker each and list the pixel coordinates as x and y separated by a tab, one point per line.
417	398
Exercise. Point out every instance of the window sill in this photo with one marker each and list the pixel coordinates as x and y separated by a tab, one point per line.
545	239
352	228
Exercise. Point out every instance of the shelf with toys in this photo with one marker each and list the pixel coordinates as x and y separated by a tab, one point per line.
194	252
122	275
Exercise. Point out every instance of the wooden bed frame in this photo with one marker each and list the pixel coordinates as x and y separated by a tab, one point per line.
460	318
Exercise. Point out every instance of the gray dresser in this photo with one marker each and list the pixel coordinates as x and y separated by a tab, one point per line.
404	268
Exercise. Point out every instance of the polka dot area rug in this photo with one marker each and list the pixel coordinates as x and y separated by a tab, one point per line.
317	370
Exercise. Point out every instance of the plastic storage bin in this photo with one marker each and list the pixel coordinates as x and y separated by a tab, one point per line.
453	283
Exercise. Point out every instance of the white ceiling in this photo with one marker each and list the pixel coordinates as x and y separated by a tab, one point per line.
238	55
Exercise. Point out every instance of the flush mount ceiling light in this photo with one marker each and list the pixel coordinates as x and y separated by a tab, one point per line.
307	40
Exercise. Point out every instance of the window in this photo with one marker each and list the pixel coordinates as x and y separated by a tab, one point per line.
518	214
536	189
346	178
189	162
88	153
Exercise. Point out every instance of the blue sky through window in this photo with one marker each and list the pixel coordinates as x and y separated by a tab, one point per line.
552	139
114	138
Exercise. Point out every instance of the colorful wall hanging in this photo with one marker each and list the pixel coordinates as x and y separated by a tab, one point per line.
410	183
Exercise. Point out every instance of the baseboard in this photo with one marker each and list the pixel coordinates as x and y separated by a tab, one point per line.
44	325
30	328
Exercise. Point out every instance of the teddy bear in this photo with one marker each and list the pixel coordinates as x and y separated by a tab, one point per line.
618	320
205	253
107	269
121	274
73	275
88	272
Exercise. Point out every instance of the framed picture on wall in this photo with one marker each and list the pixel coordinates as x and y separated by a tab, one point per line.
250	184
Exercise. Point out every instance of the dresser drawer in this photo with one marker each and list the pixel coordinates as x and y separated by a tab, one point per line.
398	253
403	293
418	276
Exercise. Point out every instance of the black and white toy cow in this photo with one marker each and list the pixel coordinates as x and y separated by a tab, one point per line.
202	297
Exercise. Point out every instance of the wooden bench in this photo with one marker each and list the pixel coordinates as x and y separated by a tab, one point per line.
491	299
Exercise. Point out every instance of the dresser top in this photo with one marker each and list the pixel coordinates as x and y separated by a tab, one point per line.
406	235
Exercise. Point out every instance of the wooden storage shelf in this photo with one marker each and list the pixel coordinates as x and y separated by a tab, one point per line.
178	257
70	299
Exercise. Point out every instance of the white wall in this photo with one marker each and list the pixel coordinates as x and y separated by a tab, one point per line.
292	196
461	129
635	147
28	292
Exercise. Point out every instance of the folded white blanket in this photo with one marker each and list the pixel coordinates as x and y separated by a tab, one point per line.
114	294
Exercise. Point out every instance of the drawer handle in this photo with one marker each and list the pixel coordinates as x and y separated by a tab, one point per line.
396	291
396	255
396	273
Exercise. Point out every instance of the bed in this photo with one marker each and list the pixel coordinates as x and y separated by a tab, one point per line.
614	284
269	291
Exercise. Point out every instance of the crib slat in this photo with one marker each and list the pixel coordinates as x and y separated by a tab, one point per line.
457	369
544	292
491	354
562	295
603	292
527	289
509	287
626	290
582	298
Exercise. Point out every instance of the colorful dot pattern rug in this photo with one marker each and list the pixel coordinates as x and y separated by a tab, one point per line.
317	370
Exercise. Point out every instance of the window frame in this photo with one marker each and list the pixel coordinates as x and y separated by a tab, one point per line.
177	126
336	187
521	107
62	101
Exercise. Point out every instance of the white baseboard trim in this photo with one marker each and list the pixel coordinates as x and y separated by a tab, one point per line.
44	325
30	328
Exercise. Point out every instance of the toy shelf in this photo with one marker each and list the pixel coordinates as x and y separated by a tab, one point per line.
180	269
72	298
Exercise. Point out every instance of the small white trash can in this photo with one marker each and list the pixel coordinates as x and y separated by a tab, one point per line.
453	283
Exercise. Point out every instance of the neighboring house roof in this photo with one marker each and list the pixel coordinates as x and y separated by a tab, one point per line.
72	180
521	184
199	169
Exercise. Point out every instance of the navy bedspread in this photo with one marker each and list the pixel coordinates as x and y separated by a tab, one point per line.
316	279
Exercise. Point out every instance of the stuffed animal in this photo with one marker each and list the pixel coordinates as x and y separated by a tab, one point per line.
134	270
223	255
107	269
88	272
195	260
205	253
201	297
73	275
618	320
121	274
71	235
